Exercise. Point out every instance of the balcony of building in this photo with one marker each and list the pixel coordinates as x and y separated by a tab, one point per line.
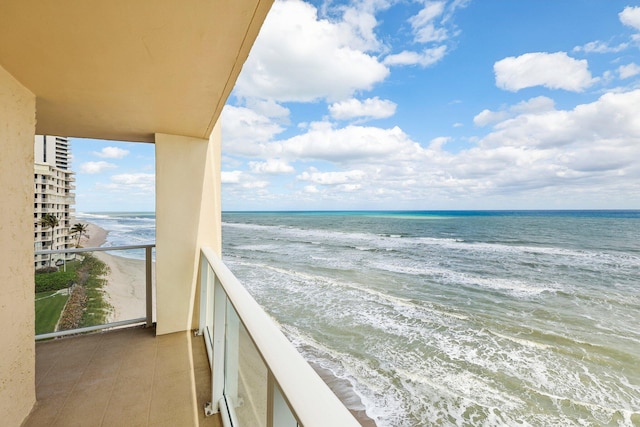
126	377
235	369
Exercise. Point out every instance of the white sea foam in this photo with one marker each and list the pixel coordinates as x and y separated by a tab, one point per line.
521	341
511	286
84	215
366	241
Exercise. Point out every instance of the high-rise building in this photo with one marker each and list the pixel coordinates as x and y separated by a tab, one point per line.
53	195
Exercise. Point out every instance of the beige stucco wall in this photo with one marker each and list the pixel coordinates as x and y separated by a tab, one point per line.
188	216
17	347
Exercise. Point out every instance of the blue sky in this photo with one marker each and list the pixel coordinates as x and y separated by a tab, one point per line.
462	104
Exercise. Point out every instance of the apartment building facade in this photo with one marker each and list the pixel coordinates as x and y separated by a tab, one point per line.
53	195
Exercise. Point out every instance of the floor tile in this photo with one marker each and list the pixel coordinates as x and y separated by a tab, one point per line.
127	377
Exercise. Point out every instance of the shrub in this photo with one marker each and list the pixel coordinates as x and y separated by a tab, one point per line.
54	281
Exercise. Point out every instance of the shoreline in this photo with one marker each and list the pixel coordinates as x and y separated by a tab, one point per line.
345	393
125	290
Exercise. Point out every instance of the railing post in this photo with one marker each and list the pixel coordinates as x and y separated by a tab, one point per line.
204	293
219	319
149	286
231	361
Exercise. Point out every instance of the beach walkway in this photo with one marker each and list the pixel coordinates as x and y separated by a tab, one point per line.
127	377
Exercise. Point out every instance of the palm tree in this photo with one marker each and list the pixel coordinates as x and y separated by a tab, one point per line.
79	229
49	221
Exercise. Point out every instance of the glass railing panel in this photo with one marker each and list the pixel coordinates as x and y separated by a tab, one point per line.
209	312
245	374
124	281
86	288
282	413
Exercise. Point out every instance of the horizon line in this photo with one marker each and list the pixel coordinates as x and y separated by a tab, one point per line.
390	210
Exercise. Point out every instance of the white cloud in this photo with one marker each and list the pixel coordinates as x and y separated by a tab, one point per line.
424	25
299	57
630	16
438	143
135	180
132	183
370	108
268	108
312	189
538	104
111	153
271	166
426	58
600	47
486	117
537	153
323	142
432	27
359	25
255	184
243	130
331	178
610	118
96	167
349	187
551	70
242	180
403	58
232	177
629	70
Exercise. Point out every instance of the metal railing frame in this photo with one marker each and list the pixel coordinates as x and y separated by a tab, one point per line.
296	395
147	320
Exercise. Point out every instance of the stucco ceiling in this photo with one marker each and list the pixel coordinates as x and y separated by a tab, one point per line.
123	69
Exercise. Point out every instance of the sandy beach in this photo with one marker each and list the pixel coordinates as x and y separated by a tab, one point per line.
125	290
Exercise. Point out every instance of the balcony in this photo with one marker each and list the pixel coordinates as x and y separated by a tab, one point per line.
237	369
191	75
122	377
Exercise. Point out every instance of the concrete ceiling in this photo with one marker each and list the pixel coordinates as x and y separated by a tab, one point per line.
126	69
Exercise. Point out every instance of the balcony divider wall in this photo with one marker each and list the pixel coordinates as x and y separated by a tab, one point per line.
17	352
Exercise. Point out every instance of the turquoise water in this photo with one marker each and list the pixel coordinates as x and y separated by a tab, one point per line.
451	318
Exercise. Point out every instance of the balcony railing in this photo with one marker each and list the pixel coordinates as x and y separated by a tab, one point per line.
138	312
258	377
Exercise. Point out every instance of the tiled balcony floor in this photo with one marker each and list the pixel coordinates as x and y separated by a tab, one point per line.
127	377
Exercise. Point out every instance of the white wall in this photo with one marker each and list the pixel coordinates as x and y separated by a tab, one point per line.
188	216
17	346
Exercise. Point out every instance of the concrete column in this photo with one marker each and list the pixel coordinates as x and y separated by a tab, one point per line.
17	352
188	216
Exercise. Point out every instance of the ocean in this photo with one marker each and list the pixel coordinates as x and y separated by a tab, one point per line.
527	318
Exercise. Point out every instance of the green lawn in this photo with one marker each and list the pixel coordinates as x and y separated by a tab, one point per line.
48	309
